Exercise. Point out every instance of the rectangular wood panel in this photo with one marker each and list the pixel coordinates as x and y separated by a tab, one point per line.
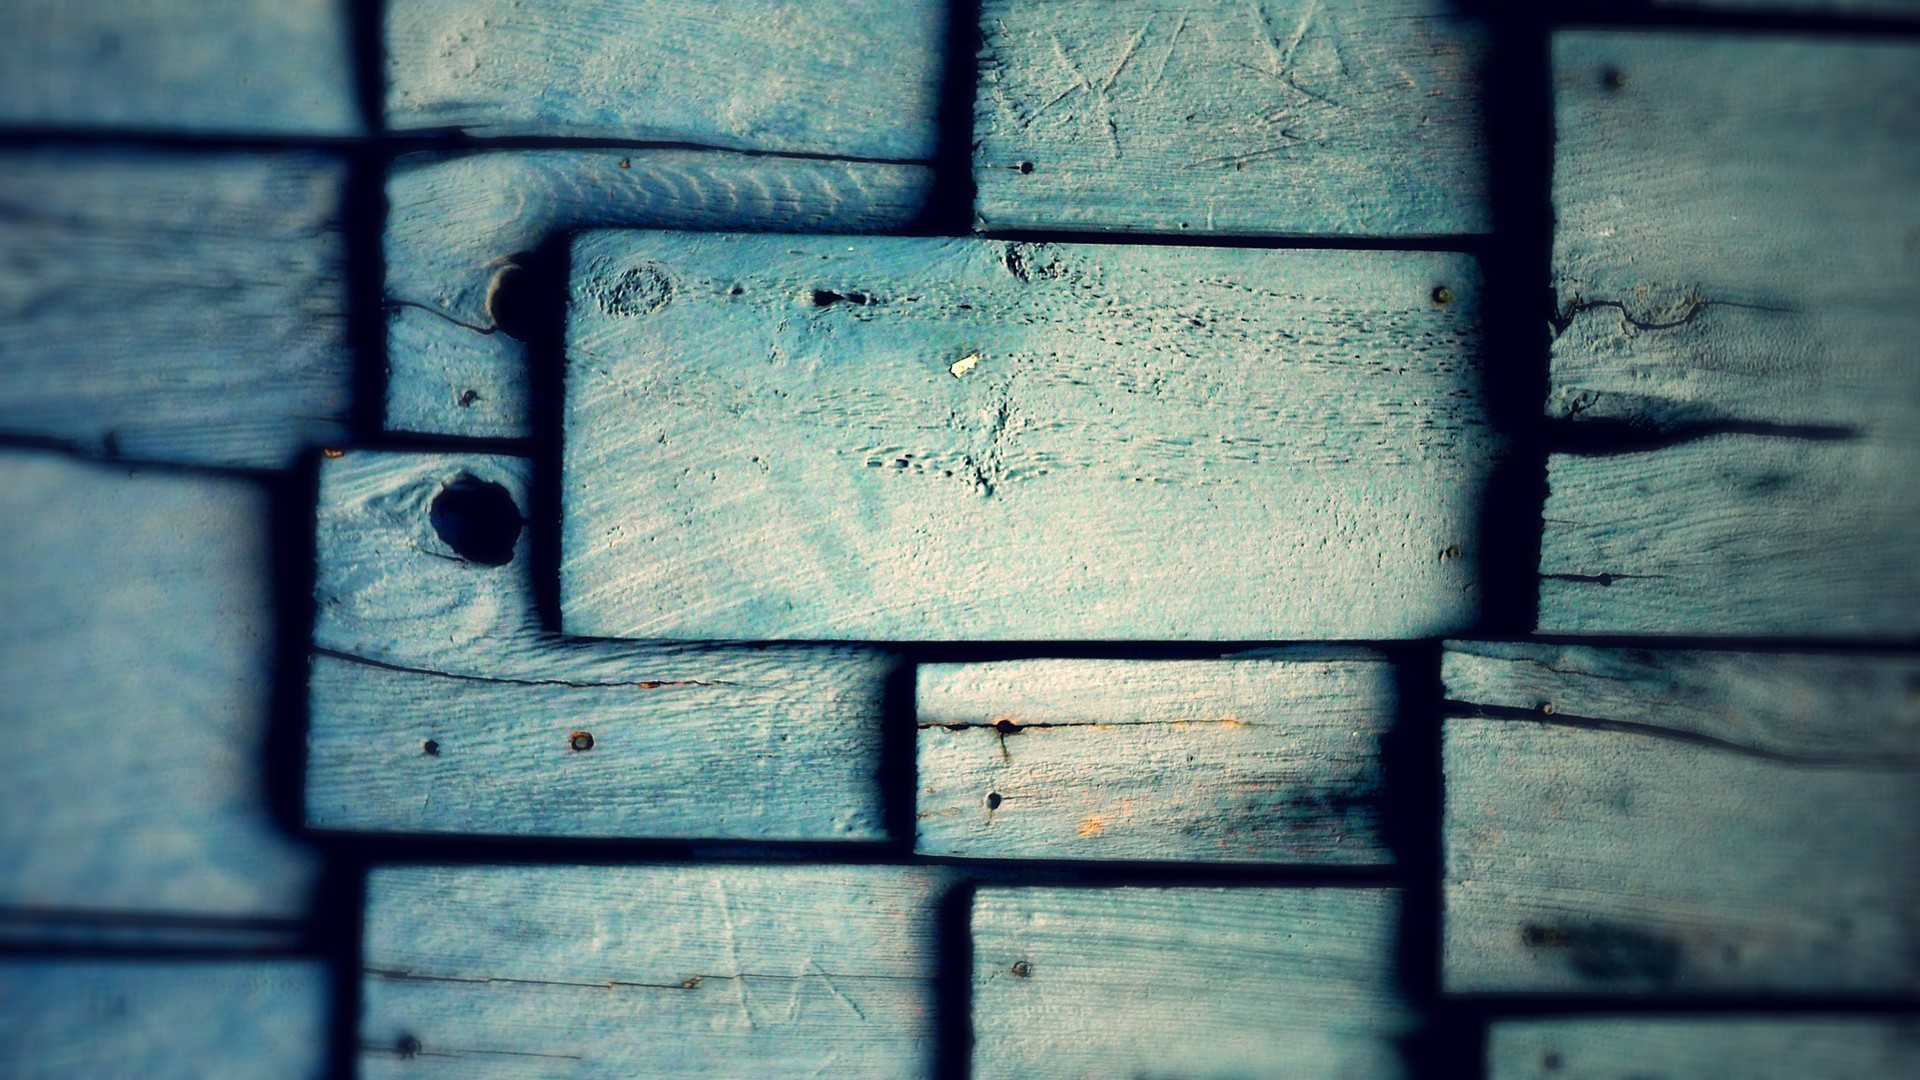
237	67
1277	117
439	704
72	1017
174	307
1763	840
136	668
1733	257
1234	760
773	437
775	971
1186	982
1771	1047
460	229
851	78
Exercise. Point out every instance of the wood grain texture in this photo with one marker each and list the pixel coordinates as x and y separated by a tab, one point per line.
1233	760
173	307
1790	704
1746	845
1734	252
1186	982
455	224
279	67
775	971
1703	1048
415	643
136	655
778	437
1836	7
1277	117
178	1020
852	78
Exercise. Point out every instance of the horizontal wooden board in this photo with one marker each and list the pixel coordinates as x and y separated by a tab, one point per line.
1234	760
136	667
1835	7
174	307
1762	840
457	224
438	703
854	78
242	67
1734	252
777	437
1186	982
178	1020
1772	1047
1295	117
603	971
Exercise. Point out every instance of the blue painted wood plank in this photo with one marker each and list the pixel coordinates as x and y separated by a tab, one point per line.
458	229
171	1020
1258	759
1772	1047
789	437
172	306
1755	843
136	666
439	704
849	78
1278	117
234	67
605	971
1187	982
1733	253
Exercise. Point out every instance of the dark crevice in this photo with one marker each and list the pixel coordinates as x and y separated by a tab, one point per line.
1604	437
648	684
1556	718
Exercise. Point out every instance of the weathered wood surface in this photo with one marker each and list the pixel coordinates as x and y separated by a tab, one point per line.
1186	982
853	78
778	437
174	307
1762	840
1296	117
190	1020
280	67
438	704
775	971
136	657
455	225
1837	7
1234	760
1703	1048
1734	253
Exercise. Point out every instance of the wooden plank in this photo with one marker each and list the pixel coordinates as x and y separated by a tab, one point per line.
1733	253
1296	118
775	437
1186	982
174	307
136	656
179	1019
239	67
854	78
1703	1048
604	971
1234	760
1762	840
1835	7
438	703
455	224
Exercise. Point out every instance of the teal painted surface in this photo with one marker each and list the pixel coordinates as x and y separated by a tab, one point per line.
1274	118
787	437
1705	1048
1186	982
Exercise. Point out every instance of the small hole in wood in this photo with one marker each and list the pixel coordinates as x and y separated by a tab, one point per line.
993	800
1006	727
1550	1061
477	519
431	748
580	740
468	397
407	1046
1611	79
1022	969
1025	167
1442	295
